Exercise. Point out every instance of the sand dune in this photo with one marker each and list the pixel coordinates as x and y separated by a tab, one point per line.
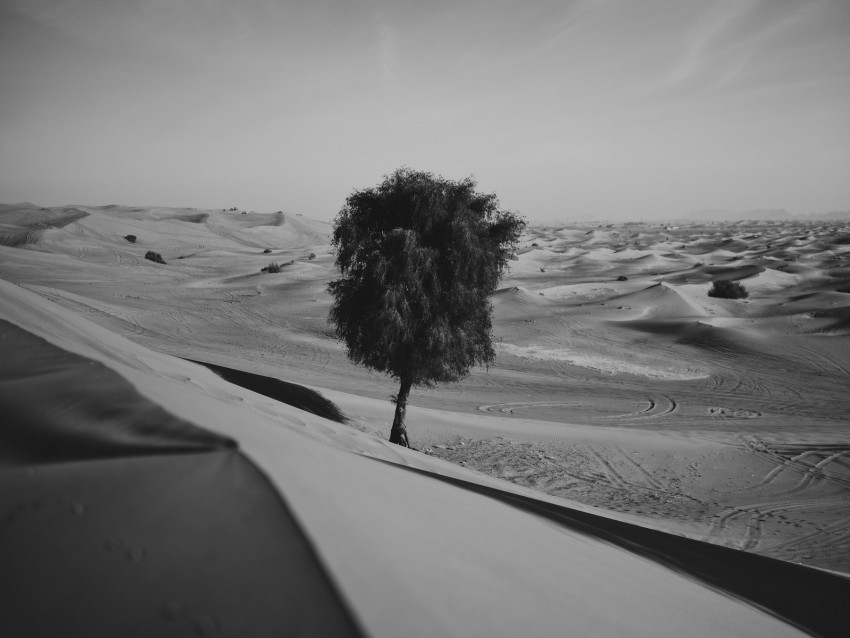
641	460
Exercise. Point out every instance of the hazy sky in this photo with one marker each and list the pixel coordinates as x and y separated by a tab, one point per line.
564	109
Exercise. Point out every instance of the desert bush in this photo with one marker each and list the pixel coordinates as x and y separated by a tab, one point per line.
622	278
155	257
725	289
312	256
267	250
273	267
130	238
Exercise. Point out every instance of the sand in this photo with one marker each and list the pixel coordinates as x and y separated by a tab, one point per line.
634	463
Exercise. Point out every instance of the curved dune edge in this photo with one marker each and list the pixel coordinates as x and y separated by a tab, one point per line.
759	580
412	553
56	410
290	393
122	519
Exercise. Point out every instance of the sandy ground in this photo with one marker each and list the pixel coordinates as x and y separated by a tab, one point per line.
620	387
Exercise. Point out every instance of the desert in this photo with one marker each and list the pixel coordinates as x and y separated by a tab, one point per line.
440	319
186	444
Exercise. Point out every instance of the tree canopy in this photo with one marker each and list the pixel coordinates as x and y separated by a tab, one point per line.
419	256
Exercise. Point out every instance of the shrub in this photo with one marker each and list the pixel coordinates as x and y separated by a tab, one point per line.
725	289
622	278
312	256
130	238
273	267
267	250
155	257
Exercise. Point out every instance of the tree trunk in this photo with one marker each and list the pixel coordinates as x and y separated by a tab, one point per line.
399	433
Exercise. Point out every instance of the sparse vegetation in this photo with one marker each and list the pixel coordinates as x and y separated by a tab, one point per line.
312	256
272	267
267	250
130	238
622	278
155	257
726	289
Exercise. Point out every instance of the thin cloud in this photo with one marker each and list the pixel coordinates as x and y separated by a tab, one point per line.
724	41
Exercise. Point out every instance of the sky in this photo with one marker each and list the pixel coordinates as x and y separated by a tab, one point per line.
622	109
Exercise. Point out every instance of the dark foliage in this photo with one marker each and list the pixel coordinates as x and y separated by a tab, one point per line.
267	250
130	238
726	289
272	267
420	256
156	257
622	278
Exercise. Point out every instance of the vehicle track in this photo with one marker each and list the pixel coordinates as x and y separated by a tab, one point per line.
641	479
753	532
810	472
829	536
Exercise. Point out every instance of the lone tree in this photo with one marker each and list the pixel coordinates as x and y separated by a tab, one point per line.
420	256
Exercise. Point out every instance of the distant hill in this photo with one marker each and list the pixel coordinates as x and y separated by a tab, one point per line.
776	214
843	215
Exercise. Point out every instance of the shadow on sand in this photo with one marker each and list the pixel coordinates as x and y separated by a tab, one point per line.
290	393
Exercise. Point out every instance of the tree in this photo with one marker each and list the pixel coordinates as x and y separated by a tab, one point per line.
420	256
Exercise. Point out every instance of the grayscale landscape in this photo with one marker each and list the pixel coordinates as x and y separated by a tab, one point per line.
399	319
620	390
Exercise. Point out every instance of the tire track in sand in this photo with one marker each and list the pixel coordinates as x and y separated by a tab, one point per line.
810	472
